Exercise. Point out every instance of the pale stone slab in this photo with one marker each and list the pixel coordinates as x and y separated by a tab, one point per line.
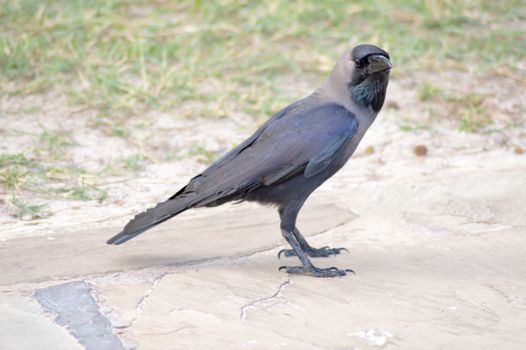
23	326
183	240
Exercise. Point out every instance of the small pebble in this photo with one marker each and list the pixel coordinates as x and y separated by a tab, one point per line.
420	150
393	105
368	150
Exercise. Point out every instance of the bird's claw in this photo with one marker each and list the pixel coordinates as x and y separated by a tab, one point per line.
286	252
322	252
317	272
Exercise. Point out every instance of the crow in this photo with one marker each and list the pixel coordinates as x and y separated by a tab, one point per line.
290	155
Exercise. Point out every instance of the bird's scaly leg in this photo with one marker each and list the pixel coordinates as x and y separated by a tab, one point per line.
288	223
322	252
307	266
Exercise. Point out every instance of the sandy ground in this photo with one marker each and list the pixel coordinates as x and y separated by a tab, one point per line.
437	242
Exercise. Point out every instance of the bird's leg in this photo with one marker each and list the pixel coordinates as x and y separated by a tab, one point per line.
310	251
288	220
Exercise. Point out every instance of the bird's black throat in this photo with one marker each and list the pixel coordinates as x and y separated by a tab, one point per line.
371	91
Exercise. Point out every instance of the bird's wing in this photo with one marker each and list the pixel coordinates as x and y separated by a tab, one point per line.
303	142
224	159
322	160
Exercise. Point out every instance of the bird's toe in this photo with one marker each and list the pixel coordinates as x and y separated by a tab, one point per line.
329	272
322	252
293	269
287	253
316	271
325	252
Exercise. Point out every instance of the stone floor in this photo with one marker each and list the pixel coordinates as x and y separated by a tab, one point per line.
438	245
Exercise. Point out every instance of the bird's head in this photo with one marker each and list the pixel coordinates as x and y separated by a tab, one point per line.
363	74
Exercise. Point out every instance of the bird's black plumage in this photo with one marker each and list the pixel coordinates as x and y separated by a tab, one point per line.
290	155
362	51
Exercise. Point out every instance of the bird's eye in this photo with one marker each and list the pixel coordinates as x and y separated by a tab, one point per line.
357	63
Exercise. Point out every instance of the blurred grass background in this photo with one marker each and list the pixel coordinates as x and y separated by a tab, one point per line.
119	59
118	56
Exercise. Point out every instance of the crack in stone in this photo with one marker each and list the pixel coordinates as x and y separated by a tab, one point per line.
511	300
263	302
143	300
167	332
146	295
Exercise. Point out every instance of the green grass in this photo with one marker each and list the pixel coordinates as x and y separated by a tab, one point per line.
25	210
429	92
53	143
120	57
469	108
86	191
472	112
13	170
134	162
202	155
46	169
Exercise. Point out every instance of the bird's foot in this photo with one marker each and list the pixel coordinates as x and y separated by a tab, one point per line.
322	252
316	271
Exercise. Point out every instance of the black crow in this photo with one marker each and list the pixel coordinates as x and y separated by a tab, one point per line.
290	155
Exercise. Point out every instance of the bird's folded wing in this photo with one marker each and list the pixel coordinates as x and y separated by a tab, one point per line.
249	141
300	143
227	157
323	159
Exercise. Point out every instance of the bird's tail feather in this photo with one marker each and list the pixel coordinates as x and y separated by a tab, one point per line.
150	218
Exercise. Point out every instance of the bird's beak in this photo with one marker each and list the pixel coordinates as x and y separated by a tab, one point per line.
378	63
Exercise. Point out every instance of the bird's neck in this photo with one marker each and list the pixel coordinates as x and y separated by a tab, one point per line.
335	86
340	94
371	92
